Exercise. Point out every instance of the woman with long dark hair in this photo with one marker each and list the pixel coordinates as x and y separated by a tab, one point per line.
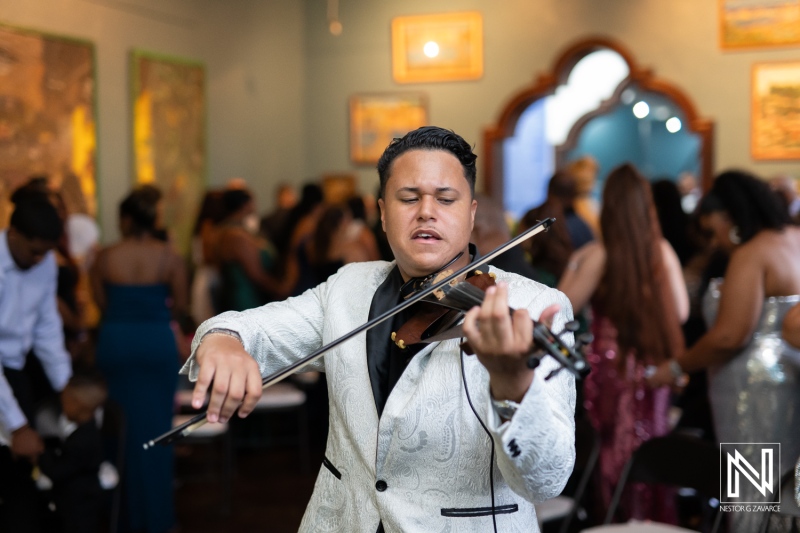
754	376
633	282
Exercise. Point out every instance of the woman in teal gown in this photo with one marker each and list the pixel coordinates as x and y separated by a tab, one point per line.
140	284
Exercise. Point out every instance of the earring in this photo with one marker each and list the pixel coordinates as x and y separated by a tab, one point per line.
733	235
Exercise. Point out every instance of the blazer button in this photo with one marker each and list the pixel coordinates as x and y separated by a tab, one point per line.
381	485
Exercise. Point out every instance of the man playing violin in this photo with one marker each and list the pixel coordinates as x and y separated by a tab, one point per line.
423	438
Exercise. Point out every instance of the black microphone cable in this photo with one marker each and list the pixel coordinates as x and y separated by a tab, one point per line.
491	440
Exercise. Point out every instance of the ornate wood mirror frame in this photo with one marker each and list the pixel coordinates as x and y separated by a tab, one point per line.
546	85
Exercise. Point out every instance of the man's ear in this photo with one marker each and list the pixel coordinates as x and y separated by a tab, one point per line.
382	207
473	210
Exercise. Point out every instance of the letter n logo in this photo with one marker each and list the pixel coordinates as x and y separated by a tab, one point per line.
750	466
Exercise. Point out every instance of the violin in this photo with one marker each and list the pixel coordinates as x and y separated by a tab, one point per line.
436	320
457	298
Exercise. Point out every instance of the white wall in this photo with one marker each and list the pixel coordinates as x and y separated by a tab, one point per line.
677	38
255	74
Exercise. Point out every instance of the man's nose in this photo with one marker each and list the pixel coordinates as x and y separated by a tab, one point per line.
427	208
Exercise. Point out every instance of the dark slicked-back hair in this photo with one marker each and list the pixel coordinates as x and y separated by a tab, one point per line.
36	217
748	201
429	138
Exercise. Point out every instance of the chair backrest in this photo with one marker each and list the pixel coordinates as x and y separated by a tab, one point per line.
587	452
675	459
680	460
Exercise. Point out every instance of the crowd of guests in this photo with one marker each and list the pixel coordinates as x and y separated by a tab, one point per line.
668	287
684	307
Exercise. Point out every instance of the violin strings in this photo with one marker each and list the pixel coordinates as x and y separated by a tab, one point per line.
463	296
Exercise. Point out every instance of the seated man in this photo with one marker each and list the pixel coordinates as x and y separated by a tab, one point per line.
72	457
421	438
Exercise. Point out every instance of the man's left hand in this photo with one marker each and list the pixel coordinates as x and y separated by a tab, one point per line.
503	341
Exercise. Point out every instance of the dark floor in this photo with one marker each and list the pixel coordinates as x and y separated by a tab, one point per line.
269	490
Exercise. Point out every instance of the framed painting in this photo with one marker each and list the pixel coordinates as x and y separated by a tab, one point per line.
376	119
775	128
758	23
48	120
169	135
442	47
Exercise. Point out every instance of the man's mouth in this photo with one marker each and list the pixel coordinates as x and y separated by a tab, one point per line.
425	235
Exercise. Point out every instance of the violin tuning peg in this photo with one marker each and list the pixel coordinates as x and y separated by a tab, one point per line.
585	338
533	361
572	326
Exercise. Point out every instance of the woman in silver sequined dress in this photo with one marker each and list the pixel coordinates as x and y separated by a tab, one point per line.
754	375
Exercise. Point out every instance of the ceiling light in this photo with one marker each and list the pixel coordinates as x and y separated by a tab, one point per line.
431	49
674	125
641	109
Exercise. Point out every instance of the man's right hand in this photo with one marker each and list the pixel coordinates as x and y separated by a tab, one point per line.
26	442
235	375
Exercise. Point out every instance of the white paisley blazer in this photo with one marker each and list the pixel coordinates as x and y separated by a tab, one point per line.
425	465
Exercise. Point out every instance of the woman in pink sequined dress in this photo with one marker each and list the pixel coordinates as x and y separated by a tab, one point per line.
633	282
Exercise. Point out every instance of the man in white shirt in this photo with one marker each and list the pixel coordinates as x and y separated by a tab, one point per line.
29	320
422	438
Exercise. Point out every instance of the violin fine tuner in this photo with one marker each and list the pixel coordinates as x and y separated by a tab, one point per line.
549	343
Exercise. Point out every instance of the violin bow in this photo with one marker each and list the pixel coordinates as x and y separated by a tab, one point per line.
199	420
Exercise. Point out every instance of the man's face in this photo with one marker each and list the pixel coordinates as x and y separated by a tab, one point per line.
25	251
427	211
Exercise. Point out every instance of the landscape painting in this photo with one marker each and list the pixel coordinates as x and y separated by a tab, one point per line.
169	136
775	129
47	117
759	23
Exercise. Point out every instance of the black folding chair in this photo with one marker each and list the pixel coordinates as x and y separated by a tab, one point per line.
569	504
676	459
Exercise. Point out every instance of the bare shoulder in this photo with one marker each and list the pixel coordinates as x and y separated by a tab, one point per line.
667	251
593	253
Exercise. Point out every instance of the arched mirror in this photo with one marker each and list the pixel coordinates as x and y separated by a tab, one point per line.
595	103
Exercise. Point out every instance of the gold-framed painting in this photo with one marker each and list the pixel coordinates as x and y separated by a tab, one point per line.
169	135
376	119
48	119
440	47
775	128
758	23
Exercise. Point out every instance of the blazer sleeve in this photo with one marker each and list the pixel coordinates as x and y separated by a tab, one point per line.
276	334
536	448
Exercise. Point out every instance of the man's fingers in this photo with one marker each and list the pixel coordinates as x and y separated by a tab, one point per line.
218	393
549	314
523	328
470	326
234	397
252	394
499	318
201	386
